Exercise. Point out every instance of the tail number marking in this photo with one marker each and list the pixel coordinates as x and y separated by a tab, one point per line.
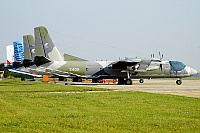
74	69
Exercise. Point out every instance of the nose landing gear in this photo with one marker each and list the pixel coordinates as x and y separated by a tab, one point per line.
141	81
179	82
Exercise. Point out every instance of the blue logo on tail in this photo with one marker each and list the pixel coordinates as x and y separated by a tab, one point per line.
18	51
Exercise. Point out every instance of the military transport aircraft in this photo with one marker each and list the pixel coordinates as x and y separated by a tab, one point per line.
45	55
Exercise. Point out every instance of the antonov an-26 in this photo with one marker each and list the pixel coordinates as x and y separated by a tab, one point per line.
41	54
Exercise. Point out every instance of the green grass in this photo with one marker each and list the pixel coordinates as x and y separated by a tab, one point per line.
93	112
192	78
10	85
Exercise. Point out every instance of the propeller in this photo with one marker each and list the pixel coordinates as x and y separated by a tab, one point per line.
161	58
152	55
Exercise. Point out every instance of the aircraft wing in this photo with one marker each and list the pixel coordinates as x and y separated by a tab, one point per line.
124	64
131	65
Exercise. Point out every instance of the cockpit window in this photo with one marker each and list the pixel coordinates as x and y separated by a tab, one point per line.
177	66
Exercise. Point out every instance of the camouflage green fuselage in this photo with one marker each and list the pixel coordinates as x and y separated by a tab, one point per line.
100	69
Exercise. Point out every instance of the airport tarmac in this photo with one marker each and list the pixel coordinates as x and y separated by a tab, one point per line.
189	88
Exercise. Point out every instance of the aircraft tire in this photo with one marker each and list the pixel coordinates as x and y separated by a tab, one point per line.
61	78
128	82
178	82
141	81
77	79
23	78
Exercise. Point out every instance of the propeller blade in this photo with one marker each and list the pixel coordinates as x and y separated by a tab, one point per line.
159	55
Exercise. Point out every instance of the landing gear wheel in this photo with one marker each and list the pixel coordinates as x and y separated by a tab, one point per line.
141	81
61	78
128	82
121	81
178	82
23	78
77	80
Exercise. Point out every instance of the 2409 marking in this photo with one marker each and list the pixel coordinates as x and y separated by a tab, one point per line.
74	69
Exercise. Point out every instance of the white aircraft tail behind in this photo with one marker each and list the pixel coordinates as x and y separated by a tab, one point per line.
10	55
15	54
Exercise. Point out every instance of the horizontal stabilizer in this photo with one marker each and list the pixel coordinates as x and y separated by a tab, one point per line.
41	60
17	64
23	72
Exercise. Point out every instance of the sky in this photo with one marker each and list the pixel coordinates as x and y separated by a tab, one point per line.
108	29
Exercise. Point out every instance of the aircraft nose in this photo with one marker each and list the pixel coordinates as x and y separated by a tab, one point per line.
193	71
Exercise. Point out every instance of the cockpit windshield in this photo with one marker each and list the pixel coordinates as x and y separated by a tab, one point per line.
176	65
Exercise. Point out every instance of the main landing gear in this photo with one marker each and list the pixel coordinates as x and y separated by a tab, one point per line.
127	81
61	78
77	79
122	81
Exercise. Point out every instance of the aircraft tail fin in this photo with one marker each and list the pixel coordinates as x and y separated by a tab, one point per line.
18	51
18	54
29	50
44	46
10	55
